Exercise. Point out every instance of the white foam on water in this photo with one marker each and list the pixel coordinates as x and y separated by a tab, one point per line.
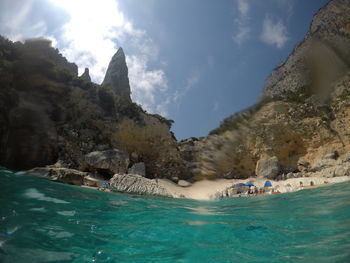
2	242
62	234
20	173
38	209
66	213
35	194
12	230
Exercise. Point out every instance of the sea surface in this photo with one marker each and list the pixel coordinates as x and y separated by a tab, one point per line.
42	221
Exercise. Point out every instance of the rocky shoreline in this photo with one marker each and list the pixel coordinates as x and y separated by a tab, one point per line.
200	190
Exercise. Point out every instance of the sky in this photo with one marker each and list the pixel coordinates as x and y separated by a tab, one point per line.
193	61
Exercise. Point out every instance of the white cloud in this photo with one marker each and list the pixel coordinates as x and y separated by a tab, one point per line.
274	33
241	35
92	36
243	7
91	33
88	33
287	6
241	22
14	20
192	80
146	84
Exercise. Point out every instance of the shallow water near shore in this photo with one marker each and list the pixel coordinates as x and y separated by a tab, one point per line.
42	221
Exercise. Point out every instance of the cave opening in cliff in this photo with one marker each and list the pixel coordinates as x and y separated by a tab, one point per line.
105	173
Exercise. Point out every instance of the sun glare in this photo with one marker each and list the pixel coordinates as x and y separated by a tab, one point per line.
91	30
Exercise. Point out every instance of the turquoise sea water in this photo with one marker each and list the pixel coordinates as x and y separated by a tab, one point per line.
42	221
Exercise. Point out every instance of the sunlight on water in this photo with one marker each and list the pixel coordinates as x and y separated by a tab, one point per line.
43	221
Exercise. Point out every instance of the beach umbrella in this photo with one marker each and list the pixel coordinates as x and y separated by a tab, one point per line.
249	184
267	184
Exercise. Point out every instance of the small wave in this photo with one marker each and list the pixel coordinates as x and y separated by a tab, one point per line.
197	222
12	230
19	173
66	213
38	209
62	234
35	194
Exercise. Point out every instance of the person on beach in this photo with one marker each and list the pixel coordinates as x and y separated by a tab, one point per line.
301	185
250	191
256	191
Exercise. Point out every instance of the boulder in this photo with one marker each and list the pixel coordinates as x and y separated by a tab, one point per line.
94	181
184	183
346	158
115	161
136	184
138	168
90	181
62	175
341	170
302	164
267	168
323	163
175	179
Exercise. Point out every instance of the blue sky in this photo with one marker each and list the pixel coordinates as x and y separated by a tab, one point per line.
194	61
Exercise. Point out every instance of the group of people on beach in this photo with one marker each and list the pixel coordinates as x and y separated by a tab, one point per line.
254	191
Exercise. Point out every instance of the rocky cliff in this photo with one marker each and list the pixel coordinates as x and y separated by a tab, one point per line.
302	118
322	57
301	125
50	116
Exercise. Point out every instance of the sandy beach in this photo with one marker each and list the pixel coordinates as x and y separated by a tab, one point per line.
222	188
208	190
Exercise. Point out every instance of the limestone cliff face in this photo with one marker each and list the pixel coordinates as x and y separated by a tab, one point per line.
117	75
297	134
303	115
320	58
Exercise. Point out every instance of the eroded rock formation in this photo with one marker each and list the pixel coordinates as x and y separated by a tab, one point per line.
117	75
86	75
132	183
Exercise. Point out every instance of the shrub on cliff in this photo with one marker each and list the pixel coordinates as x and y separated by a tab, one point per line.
153	145
118	106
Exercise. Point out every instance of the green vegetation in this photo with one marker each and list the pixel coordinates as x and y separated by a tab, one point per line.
345	95
153	145
82	83
237	120
117	106
298	96
169	123
107	100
